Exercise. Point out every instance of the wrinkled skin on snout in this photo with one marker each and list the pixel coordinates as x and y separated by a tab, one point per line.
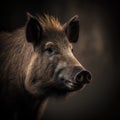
53	68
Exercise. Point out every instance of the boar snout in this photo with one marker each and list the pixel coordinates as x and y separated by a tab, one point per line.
83	77
73	78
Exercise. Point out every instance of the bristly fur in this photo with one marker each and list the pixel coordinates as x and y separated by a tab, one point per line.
30	73
49	22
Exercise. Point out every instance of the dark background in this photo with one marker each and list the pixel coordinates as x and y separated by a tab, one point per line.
97	49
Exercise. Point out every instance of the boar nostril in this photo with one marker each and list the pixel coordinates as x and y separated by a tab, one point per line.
83	77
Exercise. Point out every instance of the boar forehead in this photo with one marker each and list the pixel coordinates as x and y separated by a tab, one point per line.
59	38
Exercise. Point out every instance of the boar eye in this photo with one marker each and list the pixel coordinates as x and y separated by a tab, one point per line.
50	50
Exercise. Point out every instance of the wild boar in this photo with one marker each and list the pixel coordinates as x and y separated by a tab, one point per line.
36	62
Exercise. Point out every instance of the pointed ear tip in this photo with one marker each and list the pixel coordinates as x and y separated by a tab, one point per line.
76	17
29	15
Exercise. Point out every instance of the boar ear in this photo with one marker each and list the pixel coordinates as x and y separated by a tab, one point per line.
33	30
71	29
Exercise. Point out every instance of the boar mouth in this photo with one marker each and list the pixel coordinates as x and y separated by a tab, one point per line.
70	85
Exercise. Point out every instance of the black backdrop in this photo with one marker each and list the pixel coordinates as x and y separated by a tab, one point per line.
97	49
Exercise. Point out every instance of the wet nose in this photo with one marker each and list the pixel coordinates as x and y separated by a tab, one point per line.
83	77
